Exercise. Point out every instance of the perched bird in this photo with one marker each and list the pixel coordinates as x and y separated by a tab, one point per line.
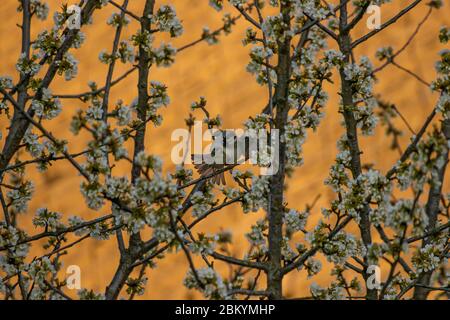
235	150
208	169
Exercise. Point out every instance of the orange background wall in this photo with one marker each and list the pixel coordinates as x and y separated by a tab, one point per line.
218	73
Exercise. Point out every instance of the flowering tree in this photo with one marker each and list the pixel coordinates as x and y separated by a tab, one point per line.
296	47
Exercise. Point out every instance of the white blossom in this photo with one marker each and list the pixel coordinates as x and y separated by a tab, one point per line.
167	21
214	288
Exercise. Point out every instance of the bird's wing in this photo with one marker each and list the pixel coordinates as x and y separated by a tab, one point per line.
205	169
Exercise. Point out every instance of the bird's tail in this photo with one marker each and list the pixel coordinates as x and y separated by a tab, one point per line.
205	170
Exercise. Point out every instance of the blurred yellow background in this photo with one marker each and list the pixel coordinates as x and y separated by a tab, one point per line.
218	73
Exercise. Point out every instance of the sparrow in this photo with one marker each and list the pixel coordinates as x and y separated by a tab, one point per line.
220	139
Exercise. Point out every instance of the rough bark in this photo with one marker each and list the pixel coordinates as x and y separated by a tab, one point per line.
276	206
432	210
352	133
131	254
